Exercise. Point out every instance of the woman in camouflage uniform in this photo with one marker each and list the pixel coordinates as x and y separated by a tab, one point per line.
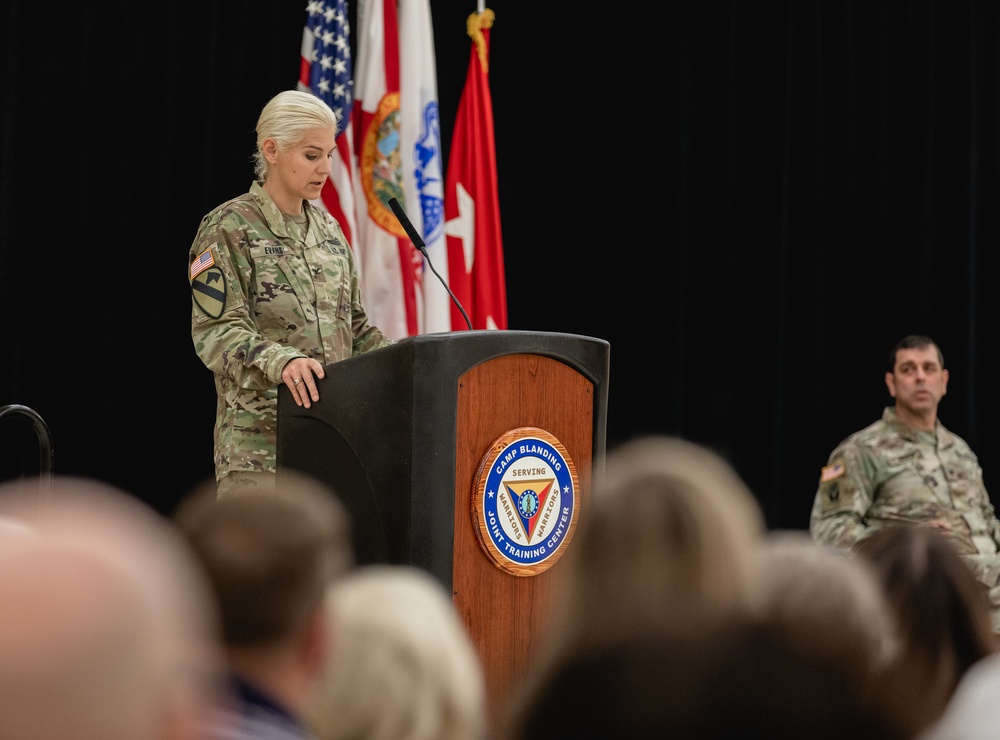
275	290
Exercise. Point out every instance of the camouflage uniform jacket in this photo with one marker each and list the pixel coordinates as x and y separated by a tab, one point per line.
264	292
890	472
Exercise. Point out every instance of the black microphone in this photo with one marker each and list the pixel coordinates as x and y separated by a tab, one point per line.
419	244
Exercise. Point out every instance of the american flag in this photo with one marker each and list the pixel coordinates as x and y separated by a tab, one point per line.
834	470
202	263
327	71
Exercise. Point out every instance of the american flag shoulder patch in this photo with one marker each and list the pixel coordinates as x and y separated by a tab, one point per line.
832	471
201	263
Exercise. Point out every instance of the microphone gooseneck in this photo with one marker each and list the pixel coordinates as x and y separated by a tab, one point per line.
407	225
418	243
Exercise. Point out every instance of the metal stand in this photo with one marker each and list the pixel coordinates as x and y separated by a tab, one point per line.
46	464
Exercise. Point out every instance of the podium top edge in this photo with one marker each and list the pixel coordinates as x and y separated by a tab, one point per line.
526	333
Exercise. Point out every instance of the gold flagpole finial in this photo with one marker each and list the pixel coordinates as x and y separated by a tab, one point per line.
474	26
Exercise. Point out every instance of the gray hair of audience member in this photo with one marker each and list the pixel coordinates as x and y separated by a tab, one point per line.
269	553
109	628
402	665
831	603
667	539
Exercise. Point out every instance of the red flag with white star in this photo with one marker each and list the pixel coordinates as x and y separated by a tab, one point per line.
471	200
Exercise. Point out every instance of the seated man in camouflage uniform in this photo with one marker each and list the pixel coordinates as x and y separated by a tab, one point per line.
907	467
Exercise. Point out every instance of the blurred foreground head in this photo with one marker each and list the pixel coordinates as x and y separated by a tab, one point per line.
107	627
403	666
942	609
669	538
830	608
269	553
808	661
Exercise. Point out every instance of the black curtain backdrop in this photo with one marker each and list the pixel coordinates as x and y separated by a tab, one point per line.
750	200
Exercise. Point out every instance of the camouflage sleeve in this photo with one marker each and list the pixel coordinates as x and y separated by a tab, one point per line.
974	494
226	337
845	494
989	513
993	524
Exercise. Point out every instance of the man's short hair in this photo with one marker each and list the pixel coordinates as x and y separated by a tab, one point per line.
914	341
269	553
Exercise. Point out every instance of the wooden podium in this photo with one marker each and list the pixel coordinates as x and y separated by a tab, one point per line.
402	434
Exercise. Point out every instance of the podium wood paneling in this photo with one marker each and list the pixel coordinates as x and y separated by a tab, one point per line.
507	615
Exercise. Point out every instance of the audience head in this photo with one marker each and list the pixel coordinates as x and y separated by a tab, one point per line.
942	610
804	662
402	665
109	629
269	553
829	603
741	678
668	538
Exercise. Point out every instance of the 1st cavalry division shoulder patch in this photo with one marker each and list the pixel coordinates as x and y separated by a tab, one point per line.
524	501
208	285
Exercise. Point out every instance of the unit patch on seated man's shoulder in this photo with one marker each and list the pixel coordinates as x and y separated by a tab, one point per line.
829	479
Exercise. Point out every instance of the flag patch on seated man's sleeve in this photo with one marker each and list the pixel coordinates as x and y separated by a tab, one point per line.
832	471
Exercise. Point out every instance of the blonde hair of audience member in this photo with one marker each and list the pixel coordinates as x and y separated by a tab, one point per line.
942	609
668	539
109	629
269	553
402	665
